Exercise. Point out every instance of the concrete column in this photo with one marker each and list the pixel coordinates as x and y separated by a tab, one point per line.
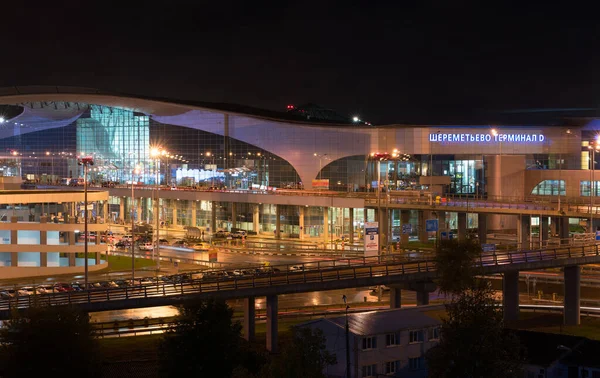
395	297
563	230
122	208
510	296
272	304
277	221
554	226
543	229
461	220
213	217
194	214
524	231
301	221
71	242
43	241
138	210
351	227
249	322
174	204
572	277
422	298
256	218
404	219
233	215
482	227
326	224
442	220
421	229
105	211
383	217
14	239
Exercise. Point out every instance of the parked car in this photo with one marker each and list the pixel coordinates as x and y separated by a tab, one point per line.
123	244
163	241
7	294
296	268
44	289
63	287
26	290
239	234
222	234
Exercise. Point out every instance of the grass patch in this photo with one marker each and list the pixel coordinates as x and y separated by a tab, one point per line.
127	348
118	263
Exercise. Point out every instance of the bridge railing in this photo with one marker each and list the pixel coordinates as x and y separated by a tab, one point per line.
315	272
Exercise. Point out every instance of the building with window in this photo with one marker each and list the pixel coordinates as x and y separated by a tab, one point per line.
44	129
391	342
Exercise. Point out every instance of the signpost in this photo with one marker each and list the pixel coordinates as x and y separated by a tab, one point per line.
371	238
406	229
431	225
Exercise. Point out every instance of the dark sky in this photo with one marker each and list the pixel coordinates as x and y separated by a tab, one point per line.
388	61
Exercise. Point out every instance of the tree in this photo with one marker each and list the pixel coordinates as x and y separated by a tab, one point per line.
203	341
473	341
304	356
455	266
55	341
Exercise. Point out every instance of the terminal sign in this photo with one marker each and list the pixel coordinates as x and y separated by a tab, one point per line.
486	138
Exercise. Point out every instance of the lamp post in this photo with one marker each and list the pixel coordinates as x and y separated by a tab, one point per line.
86	162
135	171
212	176
156	152
348	375
593	147
48	153
496	136
320	156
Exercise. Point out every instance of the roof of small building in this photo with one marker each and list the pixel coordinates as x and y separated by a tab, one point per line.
387	321
543	349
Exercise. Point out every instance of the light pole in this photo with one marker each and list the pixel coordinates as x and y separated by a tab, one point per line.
499	181
320	156
593	147
48	153
212	176
156	152
348	375
86	162
135	171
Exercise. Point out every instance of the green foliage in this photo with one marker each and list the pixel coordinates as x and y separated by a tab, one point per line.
304	356
473	341
49	342
455	265
204	341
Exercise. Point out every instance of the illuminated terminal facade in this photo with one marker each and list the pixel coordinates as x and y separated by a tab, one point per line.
44	130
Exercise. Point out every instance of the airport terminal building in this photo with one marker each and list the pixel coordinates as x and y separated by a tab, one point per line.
44	129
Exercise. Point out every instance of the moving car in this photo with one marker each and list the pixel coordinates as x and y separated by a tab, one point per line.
201	247
146	247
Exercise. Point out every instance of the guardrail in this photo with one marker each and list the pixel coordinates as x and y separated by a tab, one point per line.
350	270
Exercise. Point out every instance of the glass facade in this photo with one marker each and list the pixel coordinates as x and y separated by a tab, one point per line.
550	188
584	188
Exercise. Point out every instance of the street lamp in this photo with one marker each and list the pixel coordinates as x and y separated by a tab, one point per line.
212	176
495	134
320	156
156	153
348	375
86	162
135	172
48	153
593	147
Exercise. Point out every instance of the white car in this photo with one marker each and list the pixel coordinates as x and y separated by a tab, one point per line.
201	247
297	268
146	247
27	290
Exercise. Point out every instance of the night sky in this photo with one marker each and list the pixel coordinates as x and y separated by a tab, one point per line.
389	62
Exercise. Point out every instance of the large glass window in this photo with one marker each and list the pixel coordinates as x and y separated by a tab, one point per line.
550	188
584	188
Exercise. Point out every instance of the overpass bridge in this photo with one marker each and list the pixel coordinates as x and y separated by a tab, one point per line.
389	270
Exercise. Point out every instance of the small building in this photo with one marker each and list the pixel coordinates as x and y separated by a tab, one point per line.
390	342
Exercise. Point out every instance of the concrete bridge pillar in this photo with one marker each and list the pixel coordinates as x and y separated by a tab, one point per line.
256	218
422	230
510	296
213	216
524	231
277	221
563	230
404	219
482	227
301	222
233	215
395	296
174	205
442	220
249	321
351	225
272	304
422	298
325	224
138	214
572	277
383	218
462	226
543	230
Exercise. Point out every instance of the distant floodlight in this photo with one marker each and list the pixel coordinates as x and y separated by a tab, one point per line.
355	119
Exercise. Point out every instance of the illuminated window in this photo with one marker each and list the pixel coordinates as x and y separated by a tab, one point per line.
550	188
